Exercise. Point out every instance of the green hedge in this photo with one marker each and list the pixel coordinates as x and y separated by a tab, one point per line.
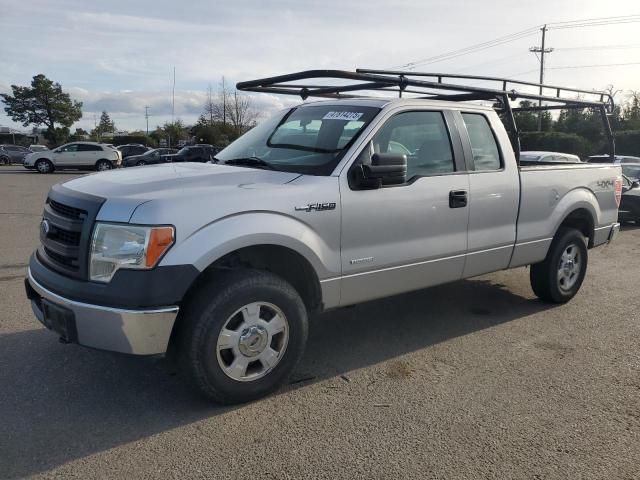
628	142
124	139
557	142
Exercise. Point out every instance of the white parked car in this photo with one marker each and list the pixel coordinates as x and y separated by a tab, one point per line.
549	157
77	155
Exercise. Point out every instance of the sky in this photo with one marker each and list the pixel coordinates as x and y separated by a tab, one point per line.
118	55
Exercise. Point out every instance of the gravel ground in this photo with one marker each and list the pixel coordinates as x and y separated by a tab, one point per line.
475	379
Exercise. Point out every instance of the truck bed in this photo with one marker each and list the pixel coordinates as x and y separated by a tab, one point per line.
549	191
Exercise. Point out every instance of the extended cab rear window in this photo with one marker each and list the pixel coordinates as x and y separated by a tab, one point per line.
486	155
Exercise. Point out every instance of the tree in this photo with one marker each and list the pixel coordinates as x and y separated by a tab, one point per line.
241	113
43	103
105	125
528	121
217	108
174	131
631	111
216	133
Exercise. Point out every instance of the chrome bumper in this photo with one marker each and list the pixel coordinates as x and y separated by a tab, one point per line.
138	332
613	233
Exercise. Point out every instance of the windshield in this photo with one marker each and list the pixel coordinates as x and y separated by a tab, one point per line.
306	139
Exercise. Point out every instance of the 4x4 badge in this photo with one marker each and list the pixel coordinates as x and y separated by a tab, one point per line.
316	206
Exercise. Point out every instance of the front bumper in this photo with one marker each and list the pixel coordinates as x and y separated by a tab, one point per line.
138	332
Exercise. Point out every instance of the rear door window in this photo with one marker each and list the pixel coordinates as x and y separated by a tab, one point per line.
486	155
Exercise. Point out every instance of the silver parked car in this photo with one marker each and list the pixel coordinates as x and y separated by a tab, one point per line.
12	154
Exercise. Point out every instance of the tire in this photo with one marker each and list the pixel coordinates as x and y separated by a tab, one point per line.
44	166
5	160
559	277
265	333
141	163
103	165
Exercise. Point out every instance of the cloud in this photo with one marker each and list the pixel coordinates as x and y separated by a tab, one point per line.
119	55
127	108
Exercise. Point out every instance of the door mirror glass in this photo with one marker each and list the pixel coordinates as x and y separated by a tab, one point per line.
385	169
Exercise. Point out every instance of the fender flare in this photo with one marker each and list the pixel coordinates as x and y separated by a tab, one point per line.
228	234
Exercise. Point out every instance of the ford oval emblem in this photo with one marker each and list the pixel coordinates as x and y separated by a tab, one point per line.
45	227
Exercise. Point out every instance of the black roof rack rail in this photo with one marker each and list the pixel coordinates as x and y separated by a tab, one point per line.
437	86
427	85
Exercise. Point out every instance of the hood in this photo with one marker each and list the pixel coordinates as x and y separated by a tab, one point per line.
124	190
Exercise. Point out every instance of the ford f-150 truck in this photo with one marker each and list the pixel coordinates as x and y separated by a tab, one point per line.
324	205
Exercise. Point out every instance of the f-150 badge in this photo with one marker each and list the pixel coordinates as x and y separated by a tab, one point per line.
316	206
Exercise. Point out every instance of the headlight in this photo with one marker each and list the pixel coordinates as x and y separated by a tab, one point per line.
127	246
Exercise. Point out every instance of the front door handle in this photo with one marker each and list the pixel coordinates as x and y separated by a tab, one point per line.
457	198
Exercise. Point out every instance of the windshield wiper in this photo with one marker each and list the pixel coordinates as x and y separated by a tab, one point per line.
251	162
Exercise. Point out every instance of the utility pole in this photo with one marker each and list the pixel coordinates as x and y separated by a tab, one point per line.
146	115
541	50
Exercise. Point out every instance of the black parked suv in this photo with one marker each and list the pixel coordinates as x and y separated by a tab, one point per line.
194	153
132	149
150	157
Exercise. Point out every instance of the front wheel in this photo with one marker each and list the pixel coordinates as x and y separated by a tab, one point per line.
242	335
44	166
559	277
5	160
141	163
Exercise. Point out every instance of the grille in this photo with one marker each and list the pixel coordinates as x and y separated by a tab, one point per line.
67	211
69	262
66	230
64	236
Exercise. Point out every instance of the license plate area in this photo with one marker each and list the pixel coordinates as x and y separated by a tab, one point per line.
59	319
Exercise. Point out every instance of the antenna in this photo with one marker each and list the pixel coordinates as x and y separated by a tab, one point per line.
173	94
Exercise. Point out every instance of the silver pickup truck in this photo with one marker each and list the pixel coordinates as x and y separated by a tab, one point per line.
325	205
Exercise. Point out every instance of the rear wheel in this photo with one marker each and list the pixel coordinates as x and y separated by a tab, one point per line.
103	165
141	163
242	335
559	277
5	160
44	166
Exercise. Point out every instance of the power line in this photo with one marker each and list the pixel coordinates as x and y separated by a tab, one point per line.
472	48
565	67
599	47
599	19
596	22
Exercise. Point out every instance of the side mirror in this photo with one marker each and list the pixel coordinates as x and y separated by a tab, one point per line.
635	184
385	169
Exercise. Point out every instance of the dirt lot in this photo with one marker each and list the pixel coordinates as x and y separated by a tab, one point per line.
475	379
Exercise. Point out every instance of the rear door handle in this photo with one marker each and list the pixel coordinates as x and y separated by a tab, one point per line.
457	198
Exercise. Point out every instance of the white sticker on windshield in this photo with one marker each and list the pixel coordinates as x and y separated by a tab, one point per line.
352	116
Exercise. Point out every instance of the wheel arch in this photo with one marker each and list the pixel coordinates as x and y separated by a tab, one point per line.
578	209
582	219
